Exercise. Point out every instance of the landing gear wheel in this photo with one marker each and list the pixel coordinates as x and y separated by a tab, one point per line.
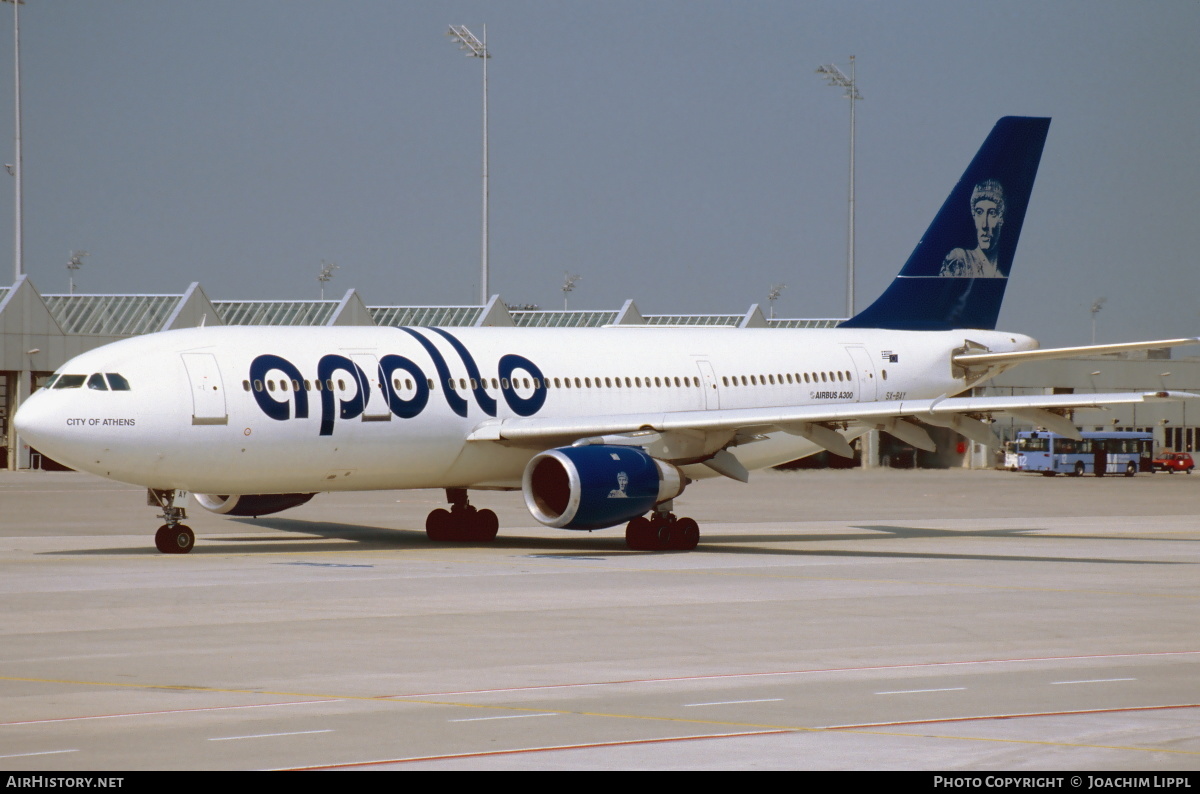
462	523
438	525
1130	469
662	533
485	526
639	534
178	539
1078	469
686	535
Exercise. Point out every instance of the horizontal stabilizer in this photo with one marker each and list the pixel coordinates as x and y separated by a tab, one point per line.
985	360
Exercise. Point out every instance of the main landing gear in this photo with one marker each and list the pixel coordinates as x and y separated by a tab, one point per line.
662	531
462	522
172	537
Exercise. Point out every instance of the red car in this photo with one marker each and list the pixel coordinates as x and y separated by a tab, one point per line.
1172	462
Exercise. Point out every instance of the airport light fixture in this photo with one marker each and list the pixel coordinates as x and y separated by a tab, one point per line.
773	296
73	264
568	286
326	274
478	49
835	77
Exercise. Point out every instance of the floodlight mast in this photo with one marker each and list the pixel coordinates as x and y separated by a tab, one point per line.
15	168
773	296
569	282
836	77
73	264
478	49
326	274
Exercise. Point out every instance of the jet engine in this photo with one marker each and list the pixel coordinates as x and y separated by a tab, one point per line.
592	487
251	504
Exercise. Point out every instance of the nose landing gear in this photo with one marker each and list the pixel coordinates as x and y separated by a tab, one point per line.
462	523
173	537
178	539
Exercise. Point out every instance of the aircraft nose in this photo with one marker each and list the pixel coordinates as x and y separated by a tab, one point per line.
36	423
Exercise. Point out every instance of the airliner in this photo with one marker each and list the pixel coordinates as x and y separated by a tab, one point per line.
598	427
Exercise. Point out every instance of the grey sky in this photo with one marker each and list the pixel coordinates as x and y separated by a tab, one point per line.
683	154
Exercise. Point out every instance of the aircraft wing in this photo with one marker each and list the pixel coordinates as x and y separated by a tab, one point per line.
816	422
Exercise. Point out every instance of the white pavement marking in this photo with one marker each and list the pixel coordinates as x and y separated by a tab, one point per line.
730	702
169	711
44	752
267	735
916	691
509	717
781	673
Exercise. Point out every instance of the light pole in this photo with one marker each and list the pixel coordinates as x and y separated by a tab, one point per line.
14	168
836	77
773	296
478	49
1096	310
73	264
568	286
326	274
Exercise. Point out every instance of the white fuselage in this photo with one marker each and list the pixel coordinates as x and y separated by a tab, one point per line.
197	415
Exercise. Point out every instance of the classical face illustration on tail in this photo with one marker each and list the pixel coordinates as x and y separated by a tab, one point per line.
956	275
987	210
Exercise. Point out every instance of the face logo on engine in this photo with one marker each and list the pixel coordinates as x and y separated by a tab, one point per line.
354	389
622	484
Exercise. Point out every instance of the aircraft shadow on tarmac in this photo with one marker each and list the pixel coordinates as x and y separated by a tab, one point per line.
307	536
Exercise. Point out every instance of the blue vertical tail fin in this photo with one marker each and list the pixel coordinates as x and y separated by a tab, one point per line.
956	275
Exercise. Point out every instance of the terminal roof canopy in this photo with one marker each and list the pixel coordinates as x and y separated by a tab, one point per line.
275	312
111	315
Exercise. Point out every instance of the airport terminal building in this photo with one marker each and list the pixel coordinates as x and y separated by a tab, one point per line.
40	332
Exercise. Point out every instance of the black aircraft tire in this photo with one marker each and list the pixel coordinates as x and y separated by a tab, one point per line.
437	525
162	539
686	535
174	540
485	526
637	534
185	539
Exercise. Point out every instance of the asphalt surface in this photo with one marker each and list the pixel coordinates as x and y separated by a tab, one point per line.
940	620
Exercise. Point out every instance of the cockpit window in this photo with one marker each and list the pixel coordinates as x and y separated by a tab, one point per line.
97	382
117	382
69	381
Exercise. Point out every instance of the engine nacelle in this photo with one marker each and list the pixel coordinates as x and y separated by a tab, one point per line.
592	487
251	504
